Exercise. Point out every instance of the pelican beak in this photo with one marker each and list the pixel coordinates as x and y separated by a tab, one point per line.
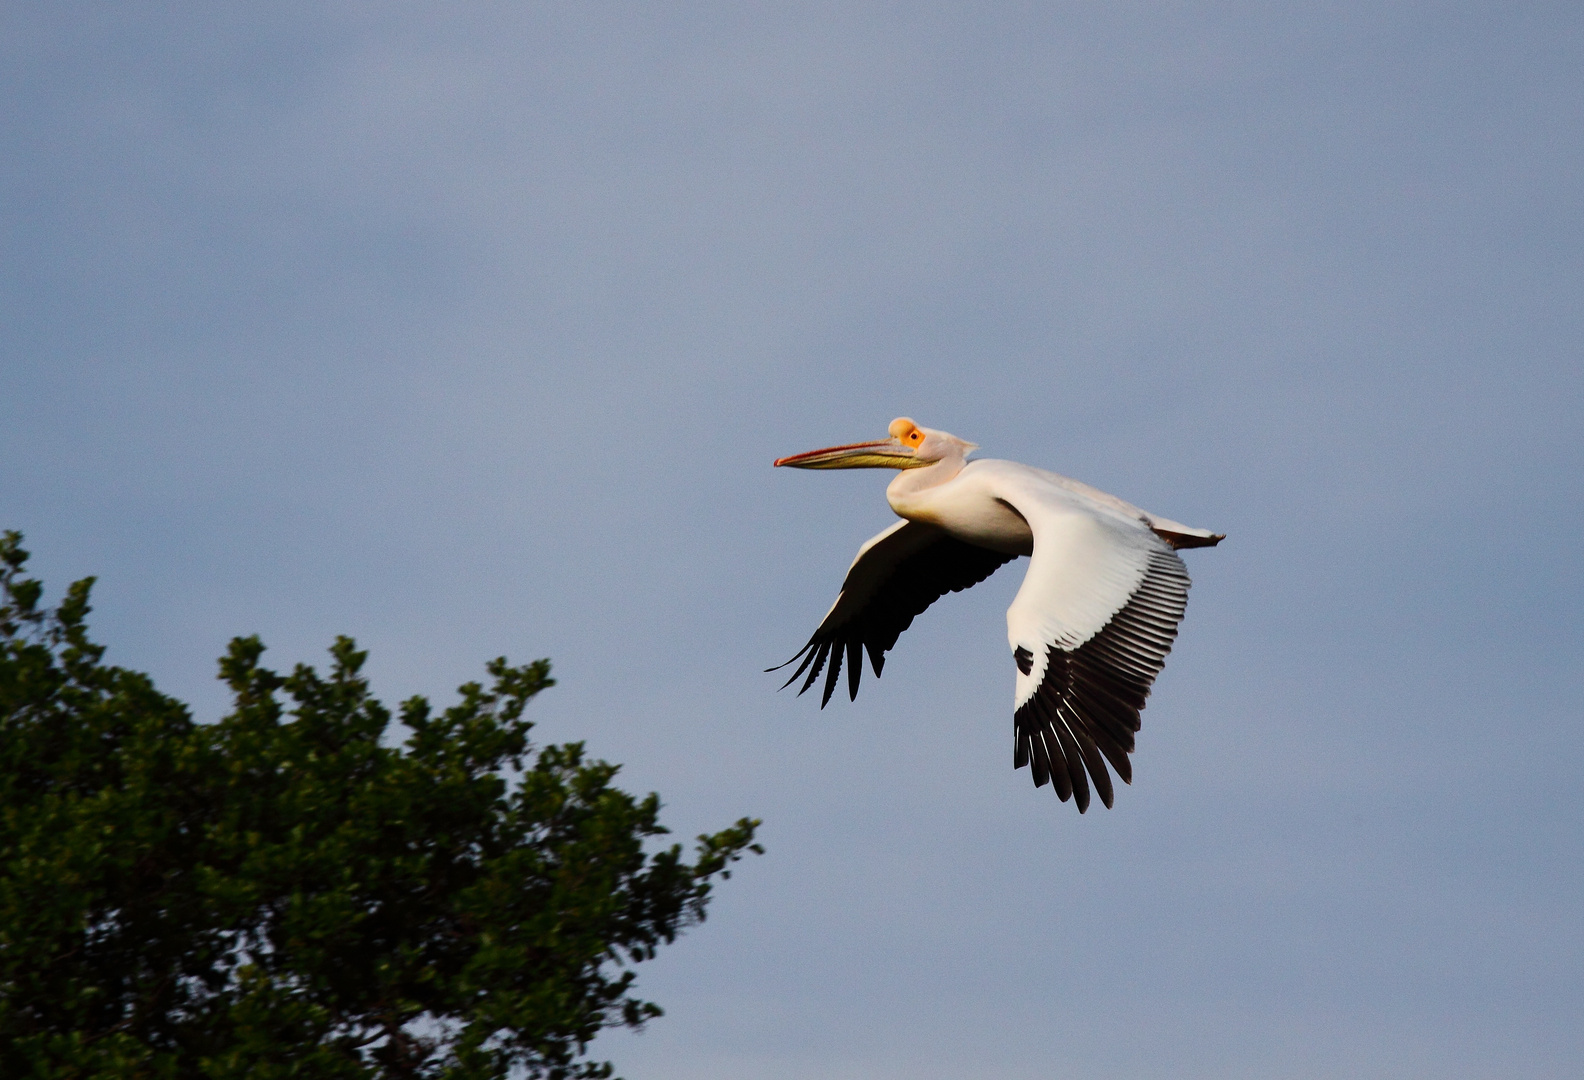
883	454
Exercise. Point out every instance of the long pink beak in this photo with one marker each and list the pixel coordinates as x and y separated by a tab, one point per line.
881	454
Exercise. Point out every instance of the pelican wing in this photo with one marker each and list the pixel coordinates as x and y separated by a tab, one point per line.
1089	629
894	578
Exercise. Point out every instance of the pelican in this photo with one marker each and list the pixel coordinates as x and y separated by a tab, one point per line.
1089	629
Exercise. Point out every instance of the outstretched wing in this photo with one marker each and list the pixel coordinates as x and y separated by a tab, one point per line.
1090	629
895	577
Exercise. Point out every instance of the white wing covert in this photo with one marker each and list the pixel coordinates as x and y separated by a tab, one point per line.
1090	630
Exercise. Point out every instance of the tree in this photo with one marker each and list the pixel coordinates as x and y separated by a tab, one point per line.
283	894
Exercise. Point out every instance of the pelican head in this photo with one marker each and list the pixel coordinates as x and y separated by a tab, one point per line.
908	447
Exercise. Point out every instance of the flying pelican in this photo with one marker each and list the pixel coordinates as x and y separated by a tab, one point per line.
1089	629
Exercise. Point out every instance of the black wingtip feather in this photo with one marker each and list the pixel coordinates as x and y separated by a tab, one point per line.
1075	766
807	653
819	663
1060	774
1091	758
832	675
1039	761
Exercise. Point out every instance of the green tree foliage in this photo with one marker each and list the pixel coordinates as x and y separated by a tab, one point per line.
282	894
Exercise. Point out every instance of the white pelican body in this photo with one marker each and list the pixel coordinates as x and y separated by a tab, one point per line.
1089	629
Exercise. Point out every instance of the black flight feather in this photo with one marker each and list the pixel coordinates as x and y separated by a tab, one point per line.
942	565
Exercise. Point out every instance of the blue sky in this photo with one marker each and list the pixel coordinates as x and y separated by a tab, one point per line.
474	331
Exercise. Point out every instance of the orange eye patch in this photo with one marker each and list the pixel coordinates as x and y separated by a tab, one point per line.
906	431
